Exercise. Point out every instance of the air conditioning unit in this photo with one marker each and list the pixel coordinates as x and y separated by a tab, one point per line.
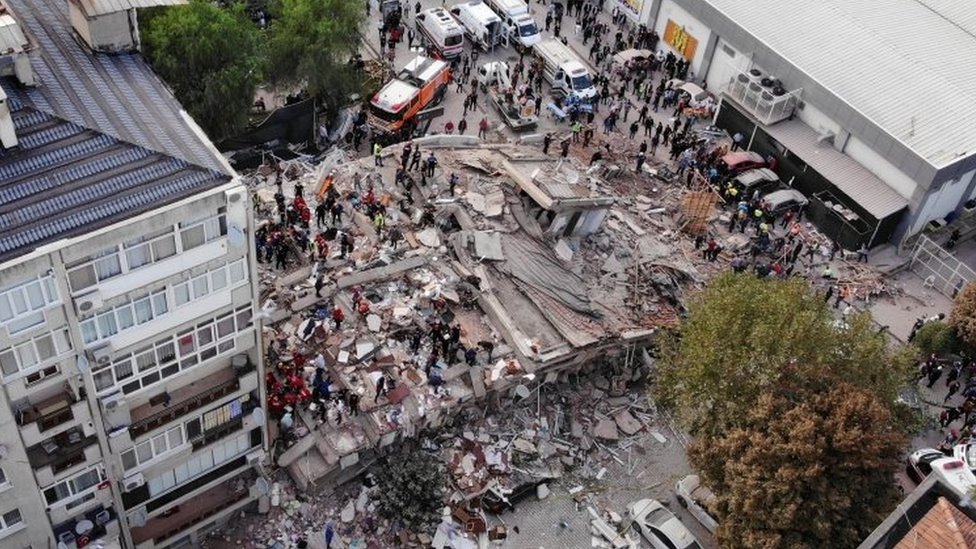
67	538
256	457
102	517
134	482
102	354
89	303
113	401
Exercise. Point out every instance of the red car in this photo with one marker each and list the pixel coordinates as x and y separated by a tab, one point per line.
740	161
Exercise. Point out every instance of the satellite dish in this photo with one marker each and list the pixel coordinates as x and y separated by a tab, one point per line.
138	519
258	415
522	392
262	486
82	363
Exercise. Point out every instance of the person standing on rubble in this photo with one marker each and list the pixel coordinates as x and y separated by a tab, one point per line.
320	211
415	160
431	164
483	128
337	316
345	245
377	154
337	213
546	141
564	153
453	181
641	157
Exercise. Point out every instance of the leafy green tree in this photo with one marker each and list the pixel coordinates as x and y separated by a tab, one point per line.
311	44
963	314
211	57
809	472
412	488
741	337
936	337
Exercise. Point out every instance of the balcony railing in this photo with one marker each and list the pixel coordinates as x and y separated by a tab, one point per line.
179	409
48	413
60	452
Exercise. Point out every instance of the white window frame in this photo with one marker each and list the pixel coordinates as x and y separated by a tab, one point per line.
31	314
75	492
7	529
60	341
200	463
165	438
215	226
124	317
167	353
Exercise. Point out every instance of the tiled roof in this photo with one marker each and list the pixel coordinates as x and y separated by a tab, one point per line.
944	526
118	95
64	179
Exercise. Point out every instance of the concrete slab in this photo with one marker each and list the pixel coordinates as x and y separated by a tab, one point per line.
488	246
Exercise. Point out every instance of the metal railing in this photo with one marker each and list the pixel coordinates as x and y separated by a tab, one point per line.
183	407
939	268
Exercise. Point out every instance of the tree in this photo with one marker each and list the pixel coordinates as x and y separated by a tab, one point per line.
412	487
742	334
810	466
311	44
963	315
211	57
936	338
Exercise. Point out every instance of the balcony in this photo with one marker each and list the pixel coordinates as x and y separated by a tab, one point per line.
156	413
60	452
48	413
205	505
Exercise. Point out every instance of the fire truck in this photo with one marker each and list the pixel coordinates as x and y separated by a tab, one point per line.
420	84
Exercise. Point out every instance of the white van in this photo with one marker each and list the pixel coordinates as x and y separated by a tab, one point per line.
483	26
564	70
441	32
955	473
522	31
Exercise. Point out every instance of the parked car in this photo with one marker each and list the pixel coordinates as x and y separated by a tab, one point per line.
697	499
955	473
761	179
740	161
967	453
919	463
659	526
779	201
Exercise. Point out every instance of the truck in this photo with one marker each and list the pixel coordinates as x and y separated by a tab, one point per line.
482	25
420	84
440	32
522	31
564	70
495	78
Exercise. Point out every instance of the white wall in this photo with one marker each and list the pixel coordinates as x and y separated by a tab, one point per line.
816	119
942	202
879	166
724	66
694	27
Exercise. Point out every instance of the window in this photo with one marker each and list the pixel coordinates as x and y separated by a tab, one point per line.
201	463
197	233
168	356
73	486
123	317
22	306
145	451
34	352
9	520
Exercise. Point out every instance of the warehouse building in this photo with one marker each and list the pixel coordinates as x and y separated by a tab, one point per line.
865	104
130	370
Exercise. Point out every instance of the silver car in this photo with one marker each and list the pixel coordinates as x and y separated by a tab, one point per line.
659	526
697	499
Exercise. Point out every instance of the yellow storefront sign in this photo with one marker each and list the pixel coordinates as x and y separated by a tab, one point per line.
678	38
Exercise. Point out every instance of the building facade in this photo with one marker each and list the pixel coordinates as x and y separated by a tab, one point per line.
843	95
131	374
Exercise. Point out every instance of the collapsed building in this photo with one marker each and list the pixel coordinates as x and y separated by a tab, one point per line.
530	257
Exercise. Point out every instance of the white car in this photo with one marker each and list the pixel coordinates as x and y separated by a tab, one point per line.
659	526
697	499
967	453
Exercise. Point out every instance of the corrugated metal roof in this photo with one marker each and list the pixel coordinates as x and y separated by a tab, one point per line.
118	95
92	8
63	180
853	179
12	39
901	63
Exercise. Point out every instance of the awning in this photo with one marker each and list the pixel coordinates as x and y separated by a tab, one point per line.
853	179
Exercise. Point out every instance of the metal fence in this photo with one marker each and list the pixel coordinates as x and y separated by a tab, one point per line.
939	268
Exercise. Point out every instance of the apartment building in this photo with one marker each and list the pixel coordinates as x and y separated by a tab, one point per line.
130	402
